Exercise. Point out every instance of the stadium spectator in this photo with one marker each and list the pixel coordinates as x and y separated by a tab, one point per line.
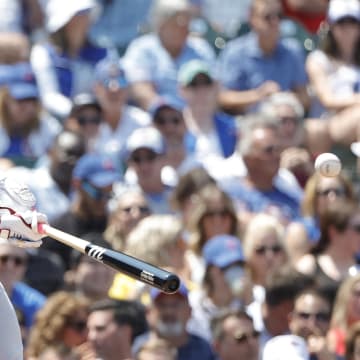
64	63
26	130
268	64
62	320
334	72
153	60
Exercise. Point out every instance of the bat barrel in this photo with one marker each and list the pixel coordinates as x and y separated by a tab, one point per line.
136	268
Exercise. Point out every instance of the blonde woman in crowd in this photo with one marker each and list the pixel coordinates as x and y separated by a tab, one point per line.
346	313
158	240
62	321
127	210
319	192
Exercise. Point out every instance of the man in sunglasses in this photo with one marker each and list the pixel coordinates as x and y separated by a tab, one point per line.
234	336
310	320
18	226
259	64
92	181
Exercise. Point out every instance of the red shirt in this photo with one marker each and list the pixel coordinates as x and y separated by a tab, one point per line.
311	22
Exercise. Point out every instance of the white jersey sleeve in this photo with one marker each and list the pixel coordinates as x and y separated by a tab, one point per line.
11	347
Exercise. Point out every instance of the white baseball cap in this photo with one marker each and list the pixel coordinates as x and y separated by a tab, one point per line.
59	12
145	138
286	347
339	9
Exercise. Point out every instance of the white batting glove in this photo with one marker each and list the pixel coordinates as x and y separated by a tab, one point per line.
21	229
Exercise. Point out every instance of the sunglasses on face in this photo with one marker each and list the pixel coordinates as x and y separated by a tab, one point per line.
272	150
17	260
79	325
139	159
143	210
288	119
262	250
319	317
84	120
242	338
274	16
163	120
198	83
326	192
220	213
94	192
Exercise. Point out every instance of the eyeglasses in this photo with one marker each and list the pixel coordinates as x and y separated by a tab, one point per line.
150	157
221	213
271	150
84	120
95	193
143	210
197	83
275	249
242	338
163	120
320	316
338	192
79	325
17	260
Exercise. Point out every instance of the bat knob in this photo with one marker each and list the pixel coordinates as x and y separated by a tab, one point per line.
171	284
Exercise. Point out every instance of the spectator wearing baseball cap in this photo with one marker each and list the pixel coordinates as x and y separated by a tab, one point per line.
168	316
85	118
144	156
211	132
153	59
26	131
336	89
93	178
226	283
167	116
119	118
64	64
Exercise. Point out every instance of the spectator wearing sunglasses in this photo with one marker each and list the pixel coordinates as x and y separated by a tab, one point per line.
265	253
234	336
93	178
120	119
61	321
13	264
310	319
85	118
263	186
226	283
210	132
145	150
167	116
259	64
319	192
330	259
153	60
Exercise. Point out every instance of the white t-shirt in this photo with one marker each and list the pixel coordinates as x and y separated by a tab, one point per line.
343	80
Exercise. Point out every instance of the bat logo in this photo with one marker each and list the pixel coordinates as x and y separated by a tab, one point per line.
96	252
147	277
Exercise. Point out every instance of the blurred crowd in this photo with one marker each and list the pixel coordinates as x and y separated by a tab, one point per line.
184	132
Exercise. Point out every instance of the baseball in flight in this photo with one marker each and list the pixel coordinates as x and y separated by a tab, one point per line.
328	164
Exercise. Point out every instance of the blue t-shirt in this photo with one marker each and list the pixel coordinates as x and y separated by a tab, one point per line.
274	201
196	348
243	66
28	301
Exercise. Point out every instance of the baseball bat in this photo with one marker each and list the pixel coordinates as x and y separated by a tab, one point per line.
131	266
